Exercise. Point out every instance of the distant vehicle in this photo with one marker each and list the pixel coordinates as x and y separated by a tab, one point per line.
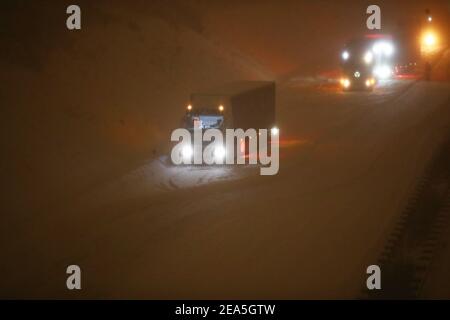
238	105
366	60
357	66
357	77
408	70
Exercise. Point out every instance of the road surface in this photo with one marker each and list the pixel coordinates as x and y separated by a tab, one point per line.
348	164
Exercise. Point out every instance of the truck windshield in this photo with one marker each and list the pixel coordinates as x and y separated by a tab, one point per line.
200	121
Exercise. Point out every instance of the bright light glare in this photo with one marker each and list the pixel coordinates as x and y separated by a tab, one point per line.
345	55
370	82
357	74
275	131
368	57
383	72
430	18
388	49
221	108
345	83
219	153
383	48
186	152
189	107
429	39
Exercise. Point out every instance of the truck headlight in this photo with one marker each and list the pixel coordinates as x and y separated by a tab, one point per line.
274	131
345	83
187	152
368	57
219	153
370	82
383	48
383	71
345	55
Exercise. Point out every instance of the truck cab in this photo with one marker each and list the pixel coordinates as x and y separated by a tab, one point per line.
357	66
357	77
237	105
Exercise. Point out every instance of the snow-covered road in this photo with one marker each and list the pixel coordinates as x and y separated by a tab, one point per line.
348	164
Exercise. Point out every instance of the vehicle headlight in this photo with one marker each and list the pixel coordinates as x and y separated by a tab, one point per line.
219	153
345	83
383	72
186	152
345	55
274	131
389	49
368	57
370	82
383	48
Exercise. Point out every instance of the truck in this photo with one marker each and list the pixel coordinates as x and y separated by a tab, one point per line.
357	66
236	105
367	60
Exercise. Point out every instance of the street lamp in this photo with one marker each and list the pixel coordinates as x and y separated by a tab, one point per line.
428	13
429	41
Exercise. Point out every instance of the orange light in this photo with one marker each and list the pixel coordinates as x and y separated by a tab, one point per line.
189	107
345	82
429	39
429	42
221	108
